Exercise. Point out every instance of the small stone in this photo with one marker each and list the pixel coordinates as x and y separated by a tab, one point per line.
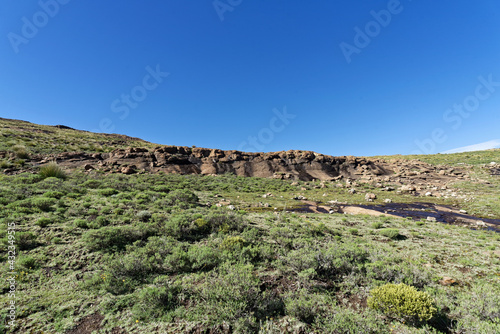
128	170
431	219
463	211
370	197
387	200
447	281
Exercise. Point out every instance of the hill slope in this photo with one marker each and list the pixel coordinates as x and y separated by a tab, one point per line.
169	246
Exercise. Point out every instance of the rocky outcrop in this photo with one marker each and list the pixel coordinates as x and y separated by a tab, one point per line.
299	165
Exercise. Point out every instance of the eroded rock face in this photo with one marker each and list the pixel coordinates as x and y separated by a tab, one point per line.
298	165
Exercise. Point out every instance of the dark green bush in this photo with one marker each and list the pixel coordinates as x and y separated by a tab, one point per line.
161	188
98	222
144	215
44	221
81	223
26	240
44	203
107	192
53	194
28	262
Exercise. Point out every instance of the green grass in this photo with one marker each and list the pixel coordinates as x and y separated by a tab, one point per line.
156	254
164	260
454	159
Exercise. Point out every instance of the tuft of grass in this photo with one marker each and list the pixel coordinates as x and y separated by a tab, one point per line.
52	170
20	151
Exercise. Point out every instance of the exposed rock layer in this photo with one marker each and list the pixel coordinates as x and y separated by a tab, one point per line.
300	165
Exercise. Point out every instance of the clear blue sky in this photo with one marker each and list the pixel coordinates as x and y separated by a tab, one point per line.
358	77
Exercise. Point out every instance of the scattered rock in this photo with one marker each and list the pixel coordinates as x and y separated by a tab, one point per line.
128	170
431	219
447	281
387	200
352	191
370	197
408	188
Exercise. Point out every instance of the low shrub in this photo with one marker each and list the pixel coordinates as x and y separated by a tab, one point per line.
230	293
53	194
92	184
182	198
125	272
377	225
155	302
391	233
81	223
28	262
107	192
116	237
231	243
56	240
44	203
305	306
43	222
403	302
26	240
144	215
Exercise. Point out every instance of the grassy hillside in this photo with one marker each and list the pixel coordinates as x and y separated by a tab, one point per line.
454	159
44	139
158	253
